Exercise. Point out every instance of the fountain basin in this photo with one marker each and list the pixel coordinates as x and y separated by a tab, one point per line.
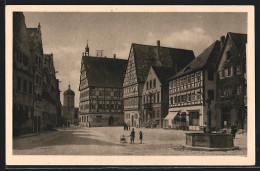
210	141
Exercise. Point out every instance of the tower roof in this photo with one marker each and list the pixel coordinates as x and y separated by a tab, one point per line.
69	92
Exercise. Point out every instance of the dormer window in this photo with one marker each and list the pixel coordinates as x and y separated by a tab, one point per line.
228	55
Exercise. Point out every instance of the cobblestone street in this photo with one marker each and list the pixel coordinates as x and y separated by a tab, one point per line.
106	141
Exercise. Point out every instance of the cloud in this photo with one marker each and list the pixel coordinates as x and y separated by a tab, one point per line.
195	39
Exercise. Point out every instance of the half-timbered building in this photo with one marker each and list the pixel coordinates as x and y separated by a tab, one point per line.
191	87
231	83
101	91
141	58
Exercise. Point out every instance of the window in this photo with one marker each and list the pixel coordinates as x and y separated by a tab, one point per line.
175	99
228	55
238	70
107	93
30	87
25	62
18	84
210	75
229	71
158	97
192	78
147	85
238	89
193	96
154	83
150	83
144	99
211	94
223	73
188	79
189	97
171	100
25	86
99	119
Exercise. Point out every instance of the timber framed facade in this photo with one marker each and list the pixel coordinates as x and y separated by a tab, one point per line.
141	58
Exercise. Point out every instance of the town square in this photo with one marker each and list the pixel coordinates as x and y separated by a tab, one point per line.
130	84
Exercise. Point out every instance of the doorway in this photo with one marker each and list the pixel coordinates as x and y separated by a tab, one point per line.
132	120
111	121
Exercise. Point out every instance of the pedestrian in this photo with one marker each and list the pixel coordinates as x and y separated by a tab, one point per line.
132	136
233	131
141	137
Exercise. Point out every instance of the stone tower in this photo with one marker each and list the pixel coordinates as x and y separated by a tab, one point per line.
68	100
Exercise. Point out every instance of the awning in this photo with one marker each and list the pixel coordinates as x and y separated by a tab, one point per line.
171	115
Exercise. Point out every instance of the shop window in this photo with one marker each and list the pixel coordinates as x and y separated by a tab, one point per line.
194	118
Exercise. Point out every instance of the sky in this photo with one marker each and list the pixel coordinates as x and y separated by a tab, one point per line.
65	34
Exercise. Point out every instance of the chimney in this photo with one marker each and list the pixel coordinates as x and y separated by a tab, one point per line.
158	53
114	56
222	40
158	43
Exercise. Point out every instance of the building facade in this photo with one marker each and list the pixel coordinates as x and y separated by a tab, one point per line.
190	88
155	96
22	78
101	92
31	68
231	83
141	58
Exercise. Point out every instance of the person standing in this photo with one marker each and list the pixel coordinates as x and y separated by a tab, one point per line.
233	131
141	137
132	136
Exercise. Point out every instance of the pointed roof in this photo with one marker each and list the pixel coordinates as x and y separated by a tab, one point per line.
147	56
104	72
206	59
163	73
239	40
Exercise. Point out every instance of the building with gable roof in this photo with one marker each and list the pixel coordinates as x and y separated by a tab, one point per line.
101	92
141	58
231	104
191	87
155	96
22	78
36	101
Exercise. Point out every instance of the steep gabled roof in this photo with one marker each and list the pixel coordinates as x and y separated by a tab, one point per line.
147	56
206	59
104	72
239	41
163	73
